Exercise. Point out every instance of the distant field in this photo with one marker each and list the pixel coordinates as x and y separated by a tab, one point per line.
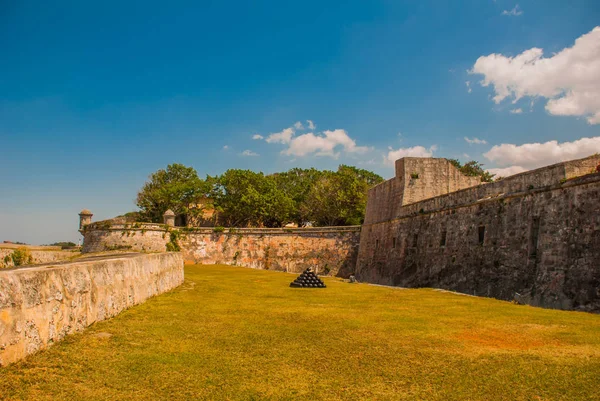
232	333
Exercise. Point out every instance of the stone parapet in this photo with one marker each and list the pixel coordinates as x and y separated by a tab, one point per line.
40	305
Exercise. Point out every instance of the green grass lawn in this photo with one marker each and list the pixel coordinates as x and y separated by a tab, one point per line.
231	333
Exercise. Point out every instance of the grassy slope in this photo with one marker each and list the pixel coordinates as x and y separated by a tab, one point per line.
235	333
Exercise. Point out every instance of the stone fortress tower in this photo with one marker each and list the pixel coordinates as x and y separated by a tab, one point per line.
416	179
169	218
85	218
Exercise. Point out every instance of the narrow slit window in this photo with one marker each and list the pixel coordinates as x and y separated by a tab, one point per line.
534	231
394	242
443	239
376	244
481	234
415	240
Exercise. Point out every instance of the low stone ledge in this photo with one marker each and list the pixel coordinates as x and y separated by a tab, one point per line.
40	305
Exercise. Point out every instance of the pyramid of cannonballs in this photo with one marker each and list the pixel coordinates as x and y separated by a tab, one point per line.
308	279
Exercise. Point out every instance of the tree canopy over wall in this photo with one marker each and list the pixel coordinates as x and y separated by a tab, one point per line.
243	198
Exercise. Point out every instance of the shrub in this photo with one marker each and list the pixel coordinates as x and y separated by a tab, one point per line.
21	256
173	244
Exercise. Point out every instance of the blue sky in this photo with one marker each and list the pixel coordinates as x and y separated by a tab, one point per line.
95	97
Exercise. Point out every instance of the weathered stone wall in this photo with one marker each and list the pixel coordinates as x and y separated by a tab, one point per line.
38	255
109	236
385	200
417	178
330	250
424	178
40	305
534	237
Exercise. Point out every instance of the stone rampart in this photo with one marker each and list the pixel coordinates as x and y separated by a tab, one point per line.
385	201
38	255
329	250
40	305
534	237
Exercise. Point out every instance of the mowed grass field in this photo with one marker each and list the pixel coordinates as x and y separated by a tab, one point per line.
231	333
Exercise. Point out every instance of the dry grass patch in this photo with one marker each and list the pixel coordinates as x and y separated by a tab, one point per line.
231	333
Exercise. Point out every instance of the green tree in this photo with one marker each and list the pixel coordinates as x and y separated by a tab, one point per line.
296	185
247	198
340	198
177	188
473	169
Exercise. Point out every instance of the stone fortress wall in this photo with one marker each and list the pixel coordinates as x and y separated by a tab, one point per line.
329	250
40	305
39	254
534	237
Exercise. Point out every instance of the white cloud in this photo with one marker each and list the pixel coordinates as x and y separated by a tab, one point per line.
311	125
415	151
516	11
257	136
534	155
468	83
475	141
323	145
298	125
284	136
516	111
505	172
225	147
248	152
569	79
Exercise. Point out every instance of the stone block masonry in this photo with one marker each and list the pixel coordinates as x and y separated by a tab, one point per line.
328	250
38	254
40	305
533	237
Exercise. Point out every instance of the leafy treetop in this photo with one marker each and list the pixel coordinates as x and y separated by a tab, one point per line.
473	169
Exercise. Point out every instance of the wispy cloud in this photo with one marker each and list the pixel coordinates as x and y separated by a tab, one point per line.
311	125
468	83
226	147
475	141
248	152
515	12
299	126
516	111
257	136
